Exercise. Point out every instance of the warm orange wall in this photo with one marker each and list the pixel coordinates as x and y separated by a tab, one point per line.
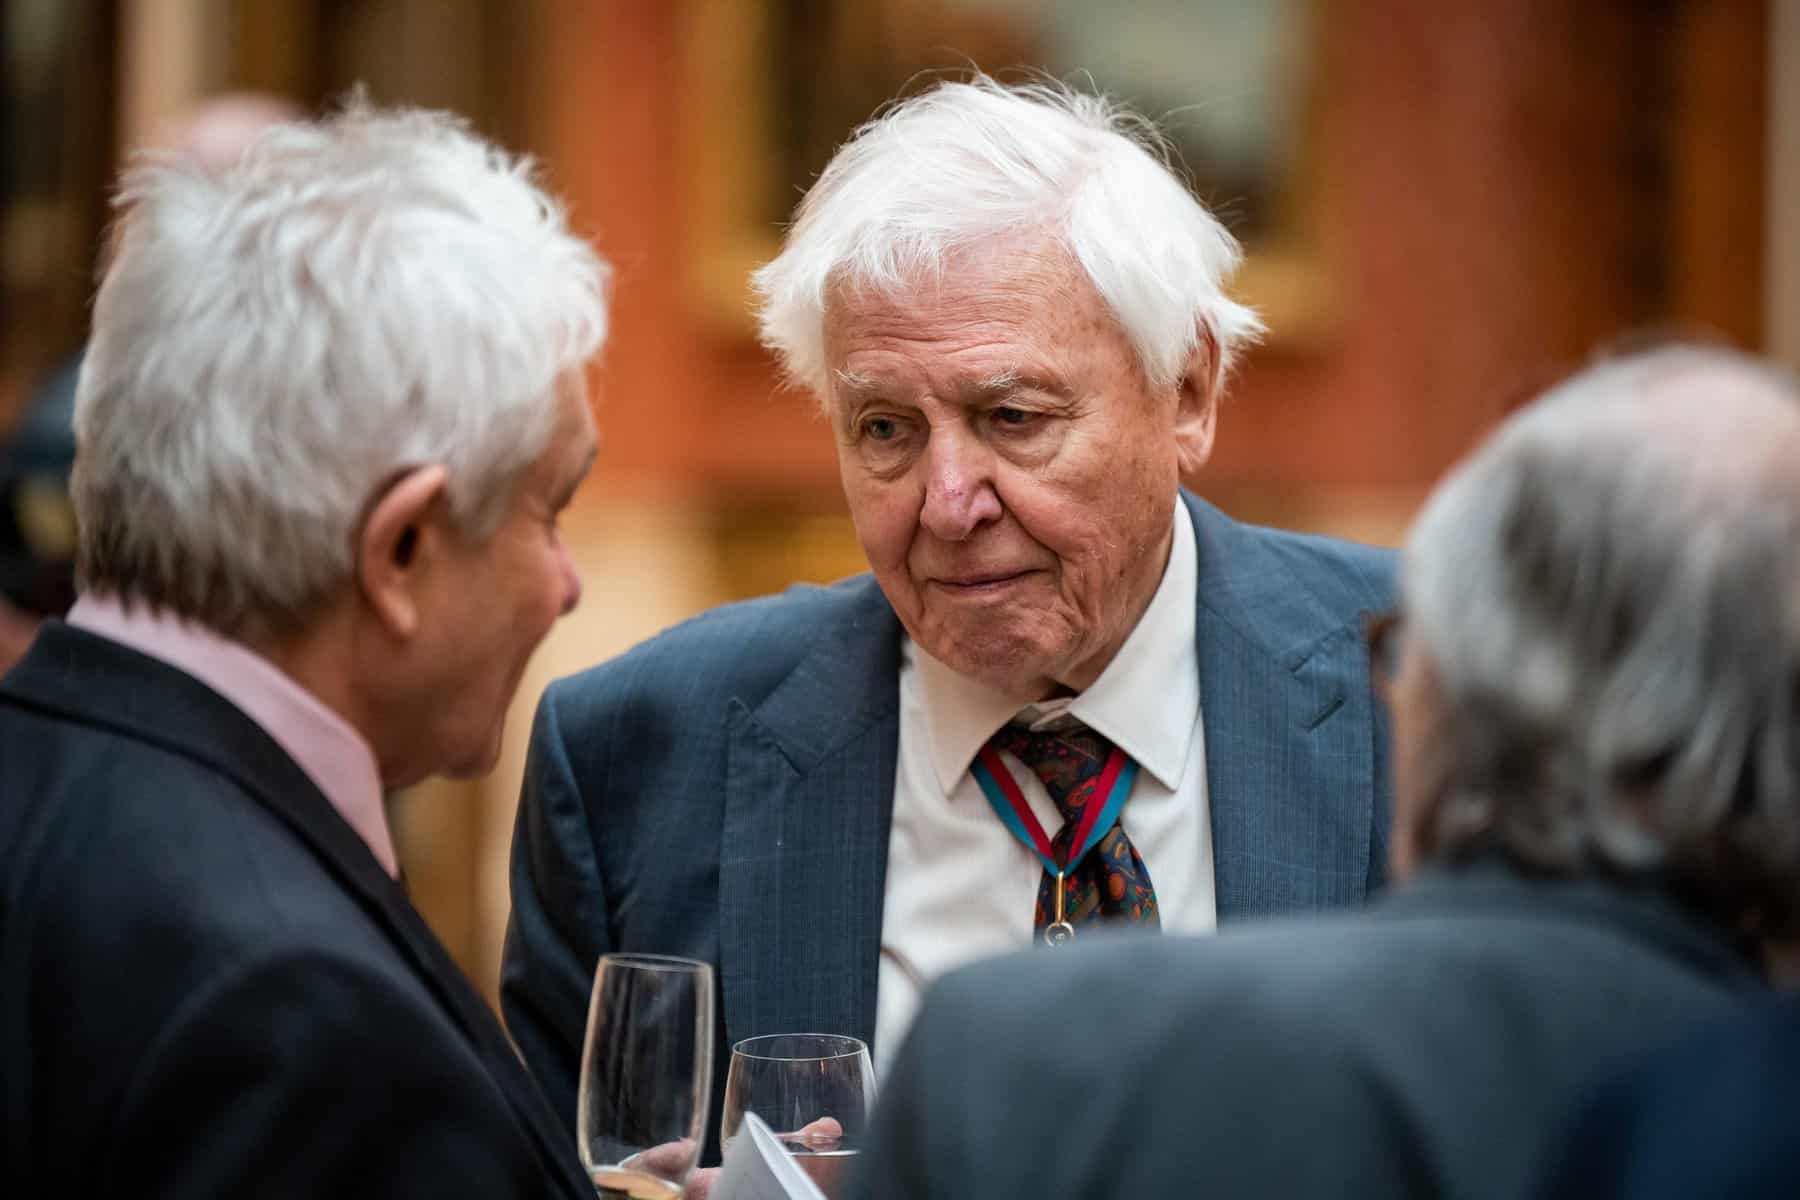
1477	200
1456	151
679	405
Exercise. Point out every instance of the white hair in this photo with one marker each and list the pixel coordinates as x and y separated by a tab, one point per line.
1608	594
275	342
965	162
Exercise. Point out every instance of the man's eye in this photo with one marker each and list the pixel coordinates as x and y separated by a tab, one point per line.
1015	418
881	429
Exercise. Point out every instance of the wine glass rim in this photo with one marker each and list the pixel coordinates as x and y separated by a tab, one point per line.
655	962
851	1047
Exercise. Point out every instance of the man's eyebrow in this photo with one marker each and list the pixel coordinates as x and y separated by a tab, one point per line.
856	384
1015	379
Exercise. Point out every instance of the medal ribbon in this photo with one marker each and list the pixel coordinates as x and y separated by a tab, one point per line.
1009	805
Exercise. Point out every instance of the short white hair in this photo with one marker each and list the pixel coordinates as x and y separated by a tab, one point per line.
275	342
968	161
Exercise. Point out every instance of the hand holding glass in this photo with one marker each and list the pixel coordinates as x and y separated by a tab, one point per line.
646	1074
813	1089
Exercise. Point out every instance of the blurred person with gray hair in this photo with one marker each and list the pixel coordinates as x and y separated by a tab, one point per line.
331	407
1012	314
1593	680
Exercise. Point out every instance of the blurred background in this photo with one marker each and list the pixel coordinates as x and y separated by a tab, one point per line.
1446	203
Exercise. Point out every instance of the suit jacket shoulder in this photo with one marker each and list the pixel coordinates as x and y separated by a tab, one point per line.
1348	576
1429	1047
744	649
180	945
1712	1117
1283	588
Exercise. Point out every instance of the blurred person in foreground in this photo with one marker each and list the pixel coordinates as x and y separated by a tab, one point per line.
330	409
1597	791
1011	313
1713	1117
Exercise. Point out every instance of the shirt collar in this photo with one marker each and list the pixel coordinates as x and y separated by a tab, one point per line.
1145	702
328	748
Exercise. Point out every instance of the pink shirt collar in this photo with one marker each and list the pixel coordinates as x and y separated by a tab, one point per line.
331	752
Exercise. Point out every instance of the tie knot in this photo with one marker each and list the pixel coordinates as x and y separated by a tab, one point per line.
1068	761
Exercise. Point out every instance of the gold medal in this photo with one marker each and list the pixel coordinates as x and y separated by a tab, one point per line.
1102	813
1059	932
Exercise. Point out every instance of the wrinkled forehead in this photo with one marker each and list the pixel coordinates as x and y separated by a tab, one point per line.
1016	296
883	261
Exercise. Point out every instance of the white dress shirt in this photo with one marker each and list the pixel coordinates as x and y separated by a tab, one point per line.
959	885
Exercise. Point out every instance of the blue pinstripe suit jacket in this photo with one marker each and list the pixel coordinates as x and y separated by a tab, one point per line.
724	790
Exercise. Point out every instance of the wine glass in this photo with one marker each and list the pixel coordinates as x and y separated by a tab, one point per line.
646	1074
814	1090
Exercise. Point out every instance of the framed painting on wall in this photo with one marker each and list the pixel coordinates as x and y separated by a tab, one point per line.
772	87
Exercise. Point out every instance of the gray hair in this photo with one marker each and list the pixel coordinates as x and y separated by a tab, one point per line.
1608	593
965	162
274	342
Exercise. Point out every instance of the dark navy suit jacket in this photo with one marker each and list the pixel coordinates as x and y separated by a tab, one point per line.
1430	1046
208	985
1714	1116
724	790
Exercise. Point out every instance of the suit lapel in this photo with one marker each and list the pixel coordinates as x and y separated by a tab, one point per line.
1287	716
1286	709
99	682
809	798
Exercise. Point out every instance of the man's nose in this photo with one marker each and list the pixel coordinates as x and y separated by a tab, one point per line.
959	487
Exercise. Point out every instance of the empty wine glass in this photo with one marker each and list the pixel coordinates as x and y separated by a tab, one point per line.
646	1074
814	1090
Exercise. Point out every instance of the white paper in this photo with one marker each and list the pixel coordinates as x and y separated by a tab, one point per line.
756	1167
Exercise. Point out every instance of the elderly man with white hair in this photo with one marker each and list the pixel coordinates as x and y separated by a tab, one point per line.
1069	694
1597	788
332	405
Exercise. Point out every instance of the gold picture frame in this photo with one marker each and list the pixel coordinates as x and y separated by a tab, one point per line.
733	164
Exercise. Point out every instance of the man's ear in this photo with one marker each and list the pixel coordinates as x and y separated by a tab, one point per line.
403	528
1197	405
